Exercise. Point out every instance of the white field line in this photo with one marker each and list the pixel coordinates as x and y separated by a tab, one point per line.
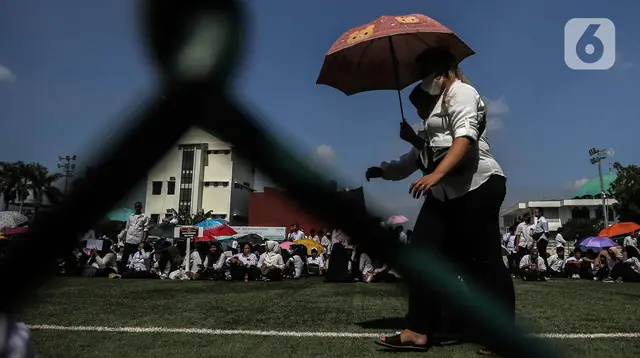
240	332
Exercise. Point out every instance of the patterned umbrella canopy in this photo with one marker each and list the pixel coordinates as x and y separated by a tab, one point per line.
9	219
592	187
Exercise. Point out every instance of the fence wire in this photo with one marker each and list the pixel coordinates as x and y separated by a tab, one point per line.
196	45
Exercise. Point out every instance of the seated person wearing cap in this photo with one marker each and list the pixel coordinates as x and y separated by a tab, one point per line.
532	267
315	263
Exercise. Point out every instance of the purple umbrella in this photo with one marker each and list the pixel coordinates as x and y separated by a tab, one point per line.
596	243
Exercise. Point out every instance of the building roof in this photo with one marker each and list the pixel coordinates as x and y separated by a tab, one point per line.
592	187
528	205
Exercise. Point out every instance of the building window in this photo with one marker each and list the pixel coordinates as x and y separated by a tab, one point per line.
171	188
155	218
219	151
216	184
156	188
186	179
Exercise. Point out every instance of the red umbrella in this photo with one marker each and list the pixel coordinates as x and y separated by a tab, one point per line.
618	229
214	233
16	230
381	55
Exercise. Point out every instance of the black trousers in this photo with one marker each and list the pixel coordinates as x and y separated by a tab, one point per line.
470	221
129	249
541	245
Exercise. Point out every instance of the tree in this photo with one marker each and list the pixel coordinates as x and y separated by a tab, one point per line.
582	228
13	183
626	190
191	219
41	184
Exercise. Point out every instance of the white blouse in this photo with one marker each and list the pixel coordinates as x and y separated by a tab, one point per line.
465	111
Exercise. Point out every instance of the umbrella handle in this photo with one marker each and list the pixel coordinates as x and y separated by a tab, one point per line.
396	74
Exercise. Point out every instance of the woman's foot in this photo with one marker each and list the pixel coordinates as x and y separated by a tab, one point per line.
405	340
246	278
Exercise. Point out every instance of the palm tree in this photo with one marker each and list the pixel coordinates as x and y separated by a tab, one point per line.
13	184
41	182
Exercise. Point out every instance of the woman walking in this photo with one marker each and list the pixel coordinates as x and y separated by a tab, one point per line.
462	182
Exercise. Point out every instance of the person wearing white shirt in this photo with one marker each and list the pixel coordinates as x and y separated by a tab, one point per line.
461	179
402	237
135	230
315	263
573	264
630	245
524	240
557	264
541	233
325	241
244	265
560	241
509	242
533	267
270	262
295	233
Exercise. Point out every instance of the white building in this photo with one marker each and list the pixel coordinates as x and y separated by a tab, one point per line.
558	212
201	172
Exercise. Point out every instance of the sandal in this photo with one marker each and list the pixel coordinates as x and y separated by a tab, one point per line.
395	342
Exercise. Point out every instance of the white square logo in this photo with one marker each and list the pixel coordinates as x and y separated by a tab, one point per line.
590	44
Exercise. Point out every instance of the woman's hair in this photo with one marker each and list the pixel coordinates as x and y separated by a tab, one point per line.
165	257
438	61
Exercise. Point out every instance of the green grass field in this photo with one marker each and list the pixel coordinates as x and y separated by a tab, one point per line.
561	306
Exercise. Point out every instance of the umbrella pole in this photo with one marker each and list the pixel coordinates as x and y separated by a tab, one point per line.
396	74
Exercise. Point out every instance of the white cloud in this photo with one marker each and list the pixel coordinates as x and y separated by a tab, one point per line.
497	110
6	76
576	184
325	152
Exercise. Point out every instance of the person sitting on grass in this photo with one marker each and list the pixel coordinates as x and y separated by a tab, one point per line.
297	262
106	264
628	271
215	263
573	264
270	263
339	269
315	263
139	263
532	267
606	261
557	264
243	266
162	266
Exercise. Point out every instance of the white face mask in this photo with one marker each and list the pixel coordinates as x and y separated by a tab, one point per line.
432	85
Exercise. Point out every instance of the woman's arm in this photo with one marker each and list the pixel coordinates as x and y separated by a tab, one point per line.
401	168
261	260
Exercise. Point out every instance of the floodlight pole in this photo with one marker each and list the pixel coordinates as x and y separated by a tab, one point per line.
68	166
597	156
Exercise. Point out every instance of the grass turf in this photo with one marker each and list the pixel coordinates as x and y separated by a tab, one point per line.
560	306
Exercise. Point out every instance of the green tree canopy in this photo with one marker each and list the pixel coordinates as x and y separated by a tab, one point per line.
626	190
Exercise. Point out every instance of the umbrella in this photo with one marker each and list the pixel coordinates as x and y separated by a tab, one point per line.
12	219
310	244
16	230
619	229
397	219
285	245
252	239
166	230
381	55
596	243
211	223
121	214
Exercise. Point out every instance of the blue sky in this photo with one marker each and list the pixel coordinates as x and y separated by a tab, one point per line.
72	68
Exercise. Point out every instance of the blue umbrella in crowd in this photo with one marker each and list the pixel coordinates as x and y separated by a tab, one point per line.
596	244
121	214
211	223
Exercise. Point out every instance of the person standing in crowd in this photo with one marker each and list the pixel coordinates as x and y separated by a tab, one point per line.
509	241
524	240
630	245
135	231
560	241
295	233
541	234
461	179
402	237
